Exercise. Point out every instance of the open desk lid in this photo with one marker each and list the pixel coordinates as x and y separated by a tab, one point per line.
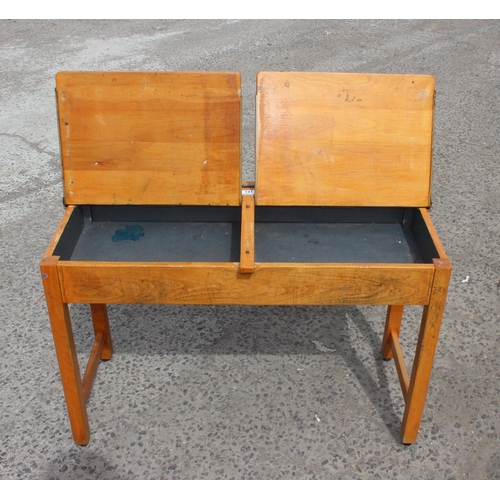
344	139
150	138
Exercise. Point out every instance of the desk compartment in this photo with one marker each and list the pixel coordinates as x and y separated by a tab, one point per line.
333	234
151	234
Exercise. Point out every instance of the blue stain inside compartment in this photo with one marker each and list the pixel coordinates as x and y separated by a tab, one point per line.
129	233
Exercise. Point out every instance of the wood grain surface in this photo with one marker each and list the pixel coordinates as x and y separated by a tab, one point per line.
224	284
150	138
344	139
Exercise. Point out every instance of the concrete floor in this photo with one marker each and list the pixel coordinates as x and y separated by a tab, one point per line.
220	392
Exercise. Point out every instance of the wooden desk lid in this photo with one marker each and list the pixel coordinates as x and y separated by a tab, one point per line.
344	139
144	138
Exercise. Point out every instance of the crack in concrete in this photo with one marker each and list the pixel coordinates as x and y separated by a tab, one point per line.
33	145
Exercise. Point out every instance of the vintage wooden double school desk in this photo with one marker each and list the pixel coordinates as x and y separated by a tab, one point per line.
156	212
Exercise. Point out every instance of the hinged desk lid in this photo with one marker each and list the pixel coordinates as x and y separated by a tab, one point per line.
150	138
344	139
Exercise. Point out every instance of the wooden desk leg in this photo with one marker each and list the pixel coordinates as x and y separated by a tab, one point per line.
101	327
392	323
424	355
66	351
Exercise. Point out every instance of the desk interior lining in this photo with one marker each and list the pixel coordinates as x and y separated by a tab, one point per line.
212	234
